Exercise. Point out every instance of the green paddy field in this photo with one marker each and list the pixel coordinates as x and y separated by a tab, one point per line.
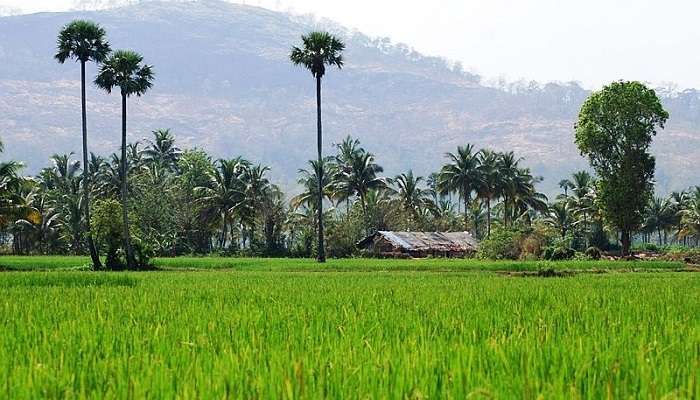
395	329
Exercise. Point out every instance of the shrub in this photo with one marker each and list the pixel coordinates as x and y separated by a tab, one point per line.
107	228
558	253
502	245
563	253
593	253
143	252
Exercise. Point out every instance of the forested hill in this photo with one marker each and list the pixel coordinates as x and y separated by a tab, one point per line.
224	84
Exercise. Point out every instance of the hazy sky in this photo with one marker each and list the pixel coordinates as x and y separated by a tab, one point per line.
590	41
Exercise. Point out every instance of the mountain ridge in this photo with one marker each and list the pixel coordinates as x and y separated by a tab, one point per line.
223	84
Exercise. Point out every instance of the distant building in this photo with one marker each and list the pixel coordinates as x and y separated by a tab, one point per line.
419	244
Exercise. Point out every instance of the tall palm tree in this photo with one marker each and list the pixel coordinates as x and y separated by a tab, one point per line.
125	70
319	50
461	176
84	41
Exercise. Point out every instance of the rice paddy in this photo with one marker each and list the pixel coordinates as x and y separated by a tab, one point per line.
264	330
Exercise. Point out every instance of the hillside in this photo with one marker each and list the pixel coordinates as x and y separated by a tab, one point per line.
224	84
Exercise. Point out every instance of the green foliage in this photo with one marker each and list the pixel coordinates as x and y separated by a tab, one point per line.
107	226
593	253
614	130
501	245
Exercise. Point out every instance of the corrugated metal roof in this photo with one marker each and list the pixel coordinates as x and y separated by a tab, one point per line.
428	241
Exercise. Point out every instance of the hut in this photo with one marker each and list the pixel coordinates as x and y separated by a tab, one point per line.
419	244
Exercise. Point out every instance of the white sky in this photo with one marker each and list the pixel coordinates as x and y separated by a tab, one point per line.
590	41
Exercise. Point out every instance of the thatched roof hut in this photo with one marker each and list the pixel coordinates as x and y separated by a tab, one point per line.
420	244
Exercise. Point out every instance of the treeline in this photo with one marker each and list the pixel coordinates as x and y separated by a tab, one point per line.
183	202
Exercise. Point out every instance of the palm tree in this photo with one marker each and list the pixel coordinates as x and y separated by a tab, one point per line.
410	194
461	176
361	177
309	180
84	41
125	70
659	215
224	193
162	150
513	182
565	185
348	150
690	216
560	218
490	182
679	202
319	49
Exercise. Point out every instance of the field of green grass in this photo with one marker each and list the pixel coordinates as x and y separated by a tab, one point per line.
39	263
272	330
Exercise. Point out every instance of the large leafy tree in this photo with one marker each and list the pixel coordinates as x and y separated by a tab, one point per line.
319	49
615	128
125	71
84	41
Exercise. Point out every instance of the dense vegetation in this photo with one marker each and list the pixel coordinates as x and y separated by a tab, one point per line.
155	199
340	335
183	202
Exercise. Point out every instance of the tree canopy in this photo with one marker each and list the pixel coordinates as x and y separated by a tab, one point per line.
615	128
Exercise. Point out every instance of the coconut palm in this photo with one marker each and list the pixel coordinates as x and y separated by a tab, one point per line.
461	176
162	150
560	218
309	180
565	185
348	150
320	49
84	41
361	177
409	193
491	182
224	194
125	70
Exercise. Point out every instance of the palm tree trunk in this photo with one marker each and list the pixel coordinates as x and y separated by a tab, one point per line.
466	214
125	211
321	248
488	217
96	264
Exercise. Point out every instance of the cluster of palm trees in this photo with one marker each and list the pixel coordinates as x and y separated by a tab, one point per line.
181	202
674	219
488	184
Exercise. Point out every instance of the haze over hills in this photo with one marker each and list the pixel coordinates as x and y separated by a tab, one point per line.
224	84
